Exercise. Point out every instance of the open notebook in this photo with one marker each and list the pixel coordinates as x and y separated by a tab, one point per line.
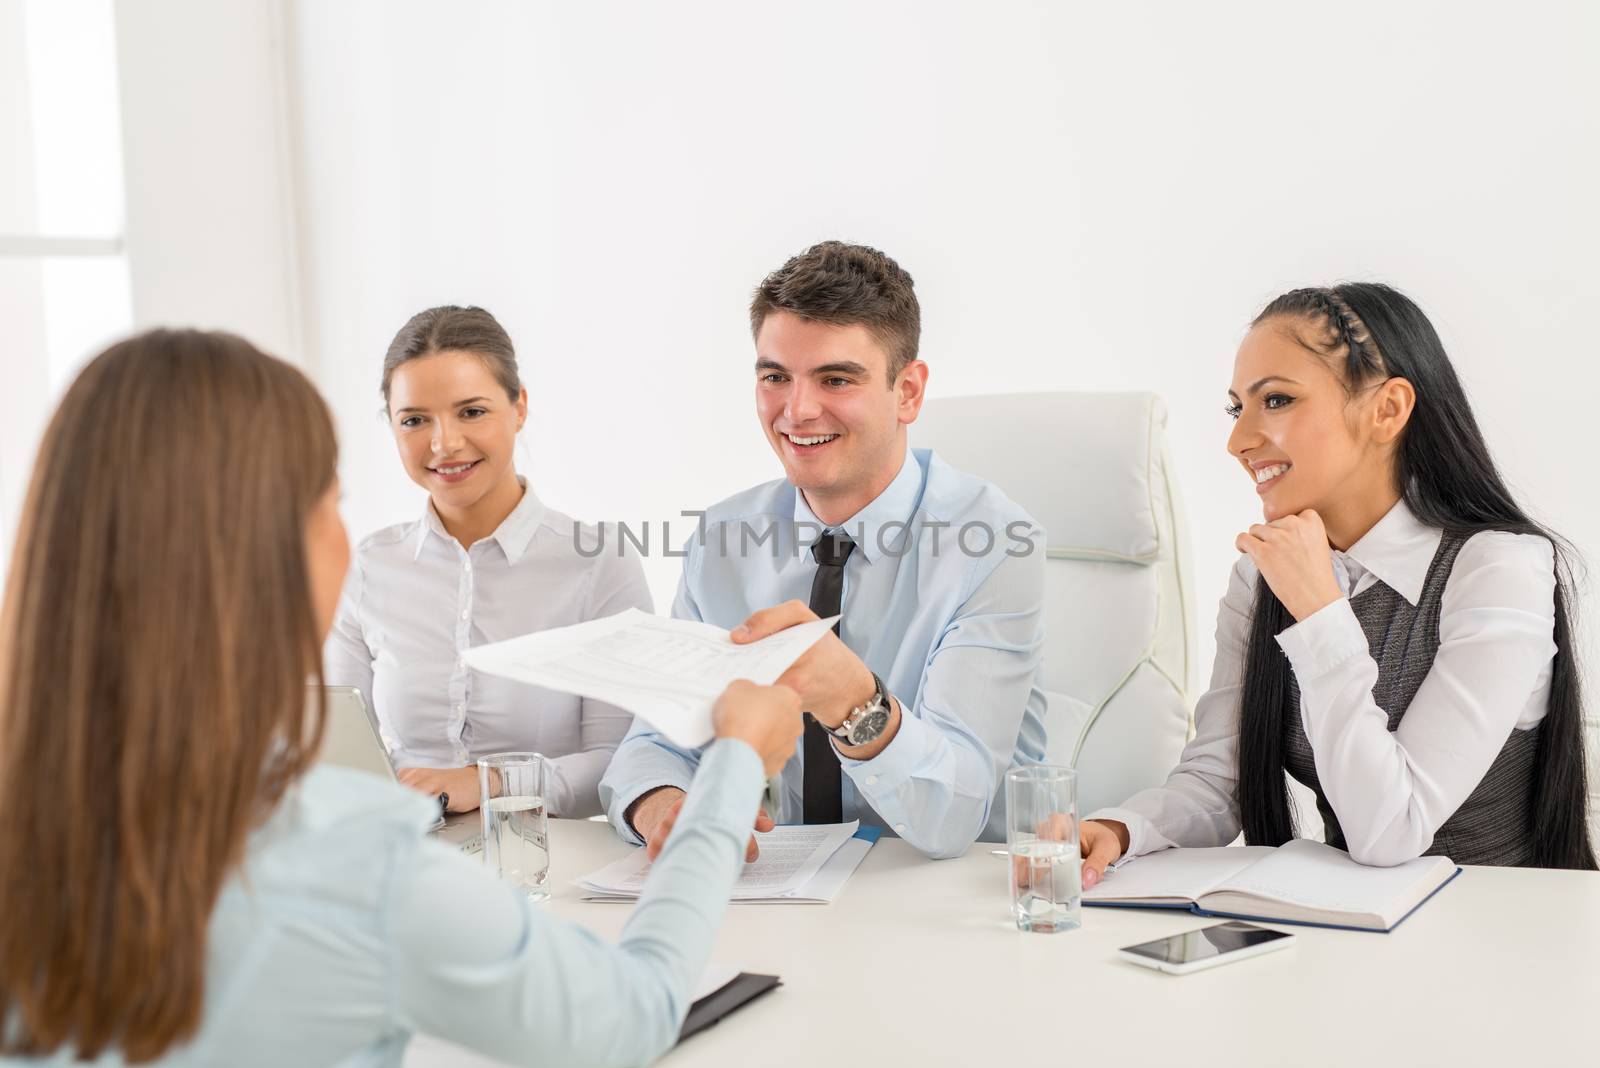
1301	882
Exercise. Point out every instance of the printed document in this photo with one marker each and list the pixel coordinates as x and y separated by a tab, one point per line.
787	870
668	672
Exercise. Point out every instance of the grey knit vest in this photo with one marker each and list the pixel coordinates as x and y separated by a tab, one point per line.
1494	824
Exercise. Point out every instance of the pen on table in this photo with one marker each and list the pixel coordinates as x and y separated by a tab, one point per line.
1113	866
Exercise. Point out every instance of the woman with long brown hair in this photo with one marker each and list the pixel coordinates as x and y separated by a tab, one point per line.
180	885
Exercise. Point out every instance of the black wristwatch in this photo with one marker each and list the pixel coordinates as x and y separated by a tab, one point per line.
868	722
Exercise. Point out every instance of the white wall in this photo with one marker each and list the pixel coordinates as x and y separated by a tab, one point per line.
63	280
212	228
1090	196
21	282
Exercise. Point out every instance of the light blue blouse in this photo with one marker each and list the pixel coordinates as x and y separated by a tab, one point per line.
347	930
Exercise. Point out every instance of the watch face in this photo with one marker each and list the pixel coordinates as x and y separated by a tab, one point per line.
870	726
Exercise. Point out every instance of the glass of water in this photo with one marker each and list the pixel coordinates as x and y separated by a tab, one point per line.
516	842
1042	837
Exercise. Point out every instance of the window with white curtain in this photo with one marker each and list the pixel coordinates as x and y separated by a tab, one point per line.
64	287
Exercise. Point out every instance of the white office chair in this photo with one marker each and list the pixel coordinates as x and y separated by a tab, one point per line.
1119	605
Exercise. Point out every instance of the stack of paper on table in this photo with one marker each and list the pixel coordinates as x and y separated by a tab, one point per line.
1300	882
668	672
806	864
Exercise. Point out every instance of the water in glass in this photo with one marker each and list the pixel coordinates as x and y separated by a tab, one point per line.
518	843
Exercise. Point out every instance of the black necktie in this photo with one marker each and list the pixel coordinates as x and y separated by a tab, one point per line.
822	801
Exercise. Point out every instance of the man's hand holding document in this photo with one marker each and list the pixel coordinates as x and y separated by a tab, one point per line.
668	672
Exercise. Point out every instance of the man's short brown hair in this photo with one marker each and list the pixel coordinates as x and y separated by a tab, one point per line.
841	284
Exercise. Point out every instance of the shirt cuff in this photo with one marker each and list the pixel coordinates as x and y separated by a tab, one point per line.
894	763
1324	640
880	779
624	825
1142	836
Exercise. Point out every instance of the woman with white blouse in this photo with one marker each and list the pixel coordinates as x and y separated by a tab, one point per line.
1395	635
486	561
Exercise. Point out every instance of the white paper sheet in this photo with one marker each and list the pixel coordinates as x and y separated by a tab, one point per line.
791	858
669	672
1303	872
1175	874
830	878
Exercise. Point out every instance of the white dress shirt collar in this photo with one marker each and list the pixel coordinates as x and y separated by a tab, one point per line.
513	535
1397	551
868	527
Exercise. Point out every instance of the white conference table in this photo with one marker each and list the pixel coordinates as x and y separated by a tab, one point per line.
918	962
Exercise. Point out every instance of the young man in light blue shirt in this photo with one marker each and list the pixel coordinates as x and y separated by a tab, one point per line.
926	692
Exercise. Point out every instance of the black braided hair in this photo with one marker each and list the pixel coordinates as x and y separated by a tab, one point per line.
1346	336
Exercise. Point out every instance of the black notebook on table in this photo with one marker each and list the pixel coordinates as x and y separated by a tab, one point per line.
739	990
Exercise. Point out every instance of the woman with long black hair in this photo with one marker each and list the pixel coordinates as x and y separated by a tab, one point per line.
1396	633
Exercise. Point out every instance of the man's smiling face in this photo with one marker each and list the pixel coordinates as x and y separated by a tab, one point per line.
830	410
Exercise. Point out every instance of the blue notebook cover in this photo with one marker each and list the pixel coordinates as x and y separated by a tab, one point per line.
1198	911
868	834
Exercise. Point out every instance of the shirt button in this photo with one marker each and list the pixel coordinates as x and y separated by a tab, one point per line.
467	566
899	828
464	614
872	780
